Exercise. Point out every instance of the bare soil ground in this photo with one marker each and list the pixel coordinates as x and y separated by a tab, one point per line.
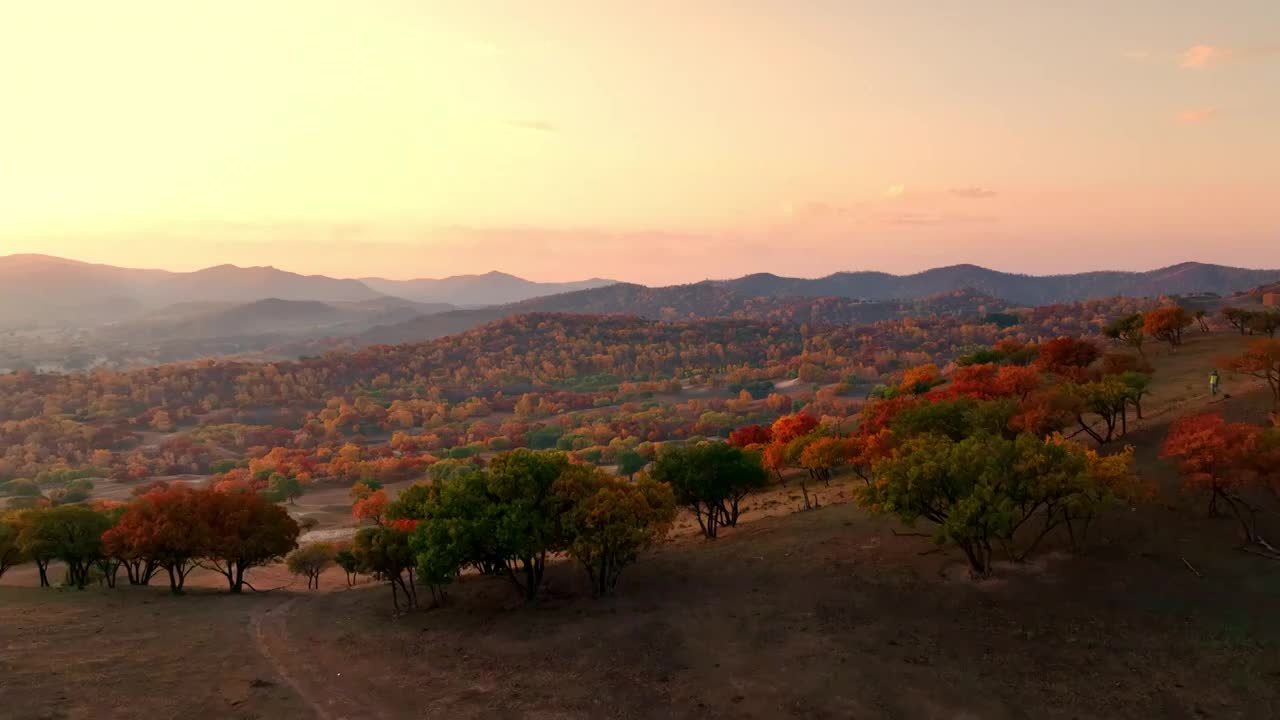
136	653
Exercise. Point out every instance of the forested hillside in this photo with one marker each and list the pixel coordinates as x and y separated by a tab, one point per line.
523	380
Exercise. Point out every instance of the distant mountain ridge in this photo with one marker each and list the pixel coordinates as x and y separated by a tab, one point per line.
36	288
247	309
492	288
880	294
1182	279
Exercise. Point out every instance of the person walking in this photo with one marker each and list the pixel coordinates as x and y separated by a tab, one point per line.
1214	380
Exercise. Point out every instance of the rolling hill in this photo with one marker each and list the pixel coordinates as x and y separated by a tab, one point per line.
700	301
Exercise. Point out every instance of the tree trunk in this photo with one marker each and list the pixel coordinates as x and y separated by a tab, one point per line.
1092	433
978	566
177	578
1249	526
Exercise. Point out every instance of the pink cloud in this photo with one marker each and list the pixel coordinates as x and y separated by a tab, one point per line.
1200	56
1197	117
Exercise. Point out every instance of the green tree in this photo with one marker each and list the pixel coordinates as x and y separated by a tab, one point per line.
1265	322
1238	318
943	417
526	513
348	562
982	490
10	549
609	521
311	560
711	479
1129	329
70	533
631	462
1139	384
284	487
1109	399
457	526
21	487
385	552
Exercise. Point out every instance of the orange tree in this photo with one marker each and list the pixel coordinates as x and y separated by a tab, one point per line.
1261	360
372	506
1222	459
1167	324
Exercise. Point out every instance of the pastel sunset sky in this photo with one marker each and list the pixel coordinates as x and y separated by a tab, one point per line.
659	141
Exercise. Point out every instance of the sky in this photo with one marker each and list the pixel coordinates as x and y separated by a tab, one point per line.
659	142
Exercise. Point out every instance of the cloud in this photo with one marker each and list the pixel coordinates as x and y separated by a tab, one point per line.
539	126
973	192
1200	56
1197	117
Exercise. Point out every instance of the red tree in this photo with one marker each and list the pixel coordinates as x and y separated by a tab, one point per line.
245	531
976	381
1218	457
163	528
1067	356
751	435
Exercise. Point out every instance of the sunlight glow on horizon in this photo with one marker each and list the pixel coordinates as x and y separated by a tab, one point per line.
656	143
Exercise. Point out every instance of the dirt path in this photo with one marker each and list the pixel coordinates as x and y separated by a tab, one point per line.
271	639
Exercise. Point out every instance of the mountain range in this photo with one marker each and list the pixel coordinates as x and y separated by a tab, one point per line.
42	290
492	288
850	297
1182	279
55	308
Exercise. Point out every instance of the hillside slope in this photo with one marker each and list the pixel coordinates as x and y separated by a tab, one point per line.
701	301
